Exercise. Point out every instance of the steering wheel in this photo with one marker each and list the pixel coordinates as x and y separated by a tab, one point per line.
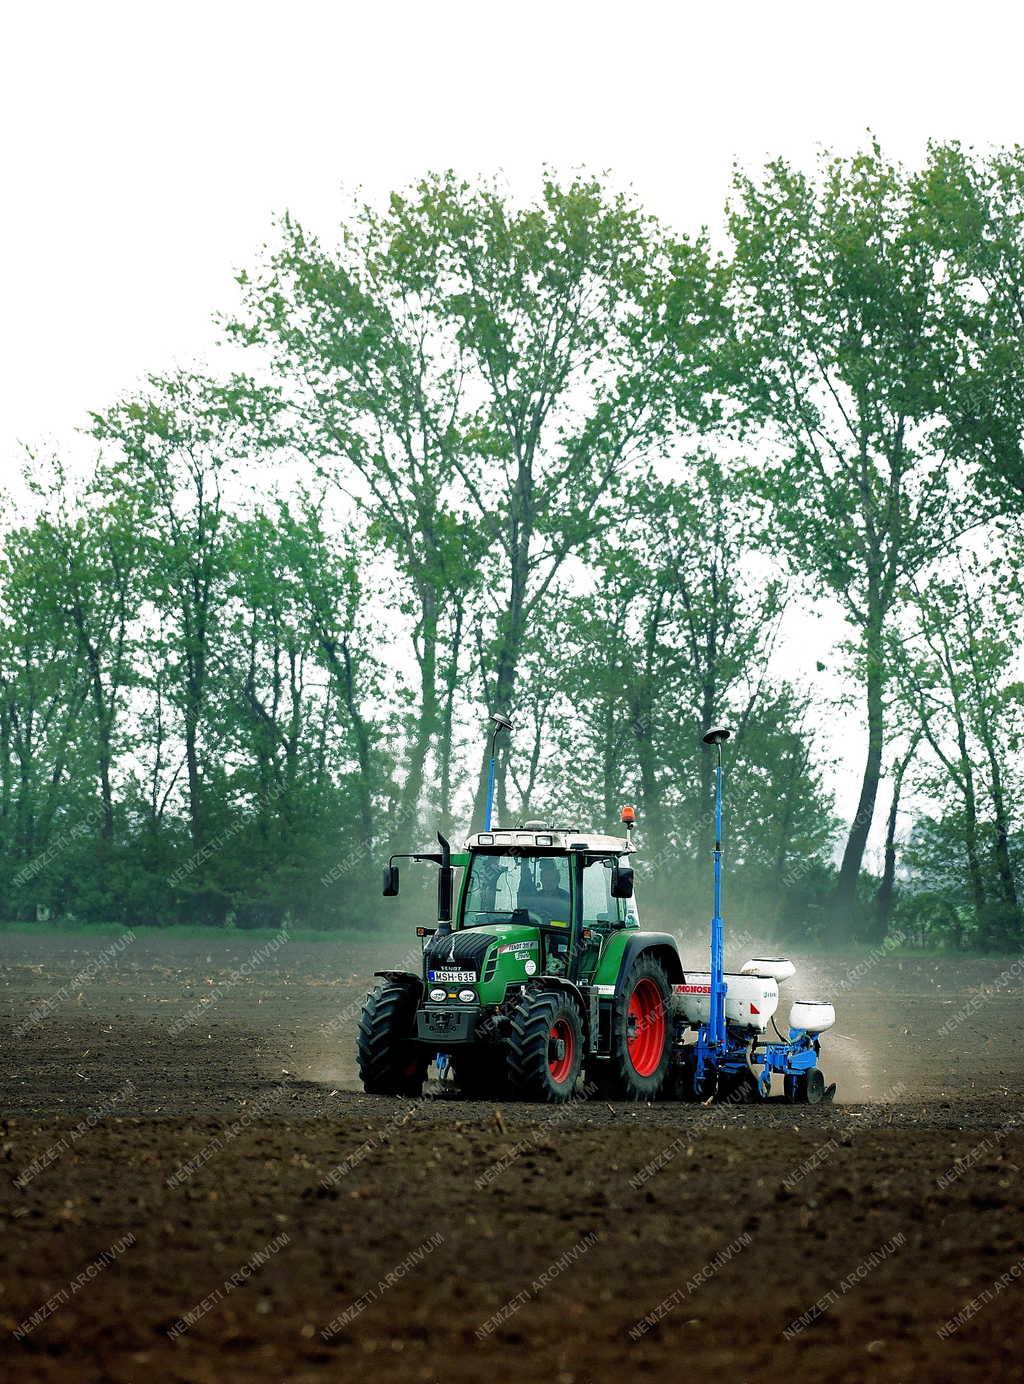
532	918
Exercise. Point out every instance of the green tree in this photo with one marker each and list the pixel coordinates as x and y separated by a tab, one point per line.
842	345
329	588
886	894
957	679
677	631
375	382
483	378
589	332
95	544
704	623
973	217
182	441
43	689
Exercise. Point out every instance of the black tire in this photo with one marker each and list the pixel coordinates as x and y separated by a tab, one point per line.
544	1047
391	1062
737	1088
806	1089
480	1072
686	1085
618	1076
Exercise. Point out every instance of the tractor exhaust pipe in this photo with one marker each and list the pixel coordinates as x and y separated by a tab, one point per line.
445	886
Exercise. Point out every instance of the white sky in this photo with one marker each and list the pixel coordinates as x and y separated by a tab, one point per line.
145	147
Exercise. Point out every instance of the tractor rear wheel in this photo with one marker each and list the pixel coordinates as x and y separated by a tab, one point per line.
641	1036
544	1046
391	1063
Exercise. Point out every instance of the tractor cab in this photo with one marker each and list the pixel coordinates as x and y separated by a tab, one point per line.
561	893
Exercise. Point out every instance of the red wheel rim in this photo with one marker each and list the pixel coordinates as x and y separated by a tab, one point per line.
560	1039
645	1027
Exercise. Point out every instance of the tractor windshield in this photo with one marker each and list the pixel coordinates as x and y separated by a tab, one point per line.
509	888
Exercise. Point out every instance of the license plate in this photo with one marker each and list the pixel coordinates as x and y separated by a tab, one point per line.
455	977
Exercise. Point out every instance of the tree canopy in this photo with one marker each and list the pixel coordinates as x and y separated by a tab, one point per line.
555	460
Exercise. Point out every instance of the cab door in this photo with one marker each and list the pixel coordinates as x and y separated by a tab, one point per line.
599	914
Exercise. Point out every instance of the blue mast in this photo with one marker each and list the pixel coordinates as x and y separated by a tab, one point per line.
716	736
500	723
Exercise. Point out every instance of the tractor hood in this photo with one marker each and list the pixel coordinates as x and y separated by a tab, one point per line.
476	952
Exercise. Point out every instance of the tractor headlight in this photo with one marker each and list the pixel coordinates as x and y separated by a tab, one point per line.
467	996
437	994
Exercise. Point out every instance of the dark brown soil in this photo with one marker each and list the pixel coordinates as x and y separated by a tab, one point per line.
161	1160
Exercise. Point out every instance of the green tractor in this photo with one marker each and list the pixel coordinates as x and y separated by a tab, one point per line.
538	972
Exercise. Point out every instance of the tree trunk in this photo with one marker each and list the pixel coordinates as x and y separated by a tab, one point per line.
974	875
512	628
853	856
961	773
650	785
527	807
362	745
501	705
611	768
426	727
158	755
26	835
797	765
1004	866
504	691
887	888
103	738
101	716
193	630
5	769
444	747
192	767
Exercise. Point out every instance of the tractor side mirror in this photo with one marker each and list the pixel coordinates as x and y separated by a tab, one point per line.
622	882
390	881
445	890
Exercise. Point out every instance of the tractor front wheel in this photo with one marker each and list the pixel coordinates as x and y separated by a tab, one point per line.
545	1046
391	1063
641	1032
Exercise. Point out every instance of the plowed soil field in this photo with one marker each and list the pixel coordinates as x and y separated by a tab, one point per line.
193	1188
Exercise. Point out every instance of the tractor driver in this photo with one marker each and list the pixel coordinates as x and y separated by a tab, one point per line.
551	903
549	899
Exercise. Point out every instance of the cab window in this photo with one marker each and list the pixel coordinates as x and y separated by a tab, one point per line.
599	908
